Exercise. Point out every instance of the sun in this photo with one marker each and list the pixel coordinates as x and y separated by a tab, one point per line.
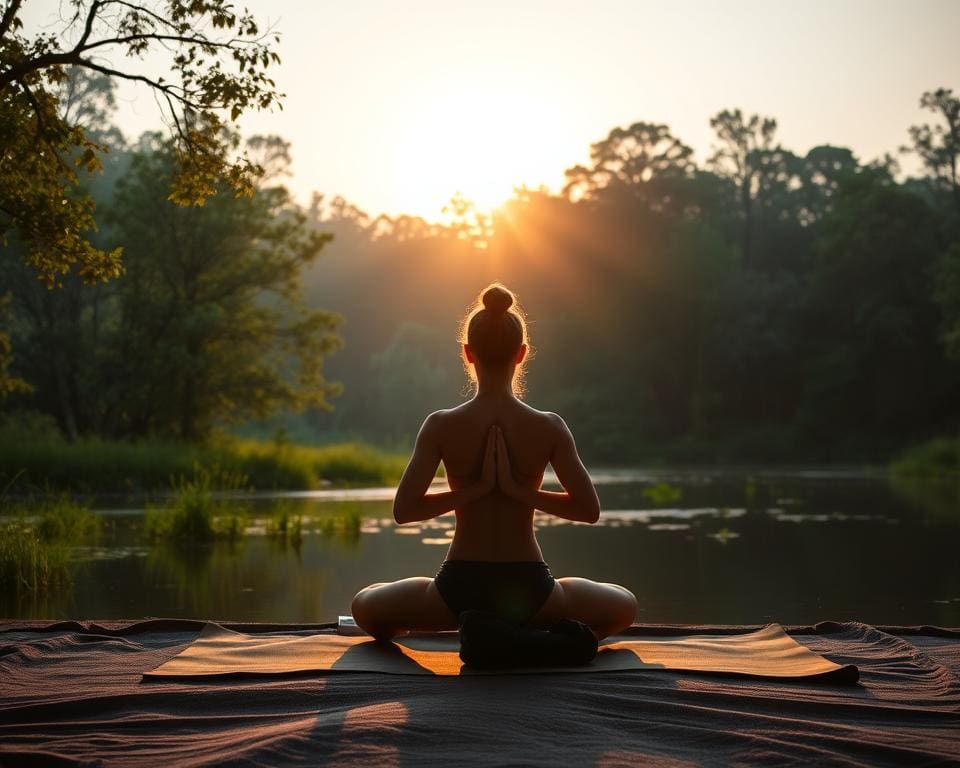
480	139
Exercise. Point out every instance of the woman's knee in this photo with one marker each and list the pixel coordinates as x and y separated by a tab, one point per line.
361	604
627	597
357	607
368	617
597	603
624	603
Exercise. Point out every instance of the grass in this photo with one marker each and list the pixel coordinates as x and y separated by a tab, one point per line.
30	460
28	563
345	523
36	538
296	467
937	459
196	512
284	527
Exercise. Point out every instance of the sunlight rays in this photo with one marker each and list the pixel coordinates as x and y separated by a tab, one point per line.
480	138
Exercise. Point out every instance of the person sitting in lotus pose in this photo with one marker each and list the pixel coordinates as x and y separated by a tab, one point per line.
495	449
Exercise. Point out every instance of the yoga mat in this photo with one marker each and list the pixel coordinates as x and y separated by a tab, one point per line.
769	653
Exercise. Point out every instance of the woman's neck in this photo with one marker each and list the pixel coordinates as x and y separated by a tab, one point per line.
495	383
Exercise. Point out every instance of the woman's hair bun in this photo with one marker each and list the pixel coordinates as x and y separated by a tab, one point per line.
497	299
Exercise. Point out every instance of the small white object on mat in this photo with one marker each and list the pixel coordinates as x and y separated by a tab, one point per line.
348	627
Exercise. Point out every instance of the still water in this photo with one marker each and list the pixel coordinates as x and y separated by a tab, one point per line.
695	547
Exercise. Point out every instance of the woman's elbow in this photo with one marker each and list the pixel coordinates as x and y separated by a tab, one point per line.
592	511
401	512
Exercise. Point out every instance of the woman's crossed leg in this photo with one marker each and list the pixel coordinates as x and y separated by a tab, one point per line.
606	608
386	609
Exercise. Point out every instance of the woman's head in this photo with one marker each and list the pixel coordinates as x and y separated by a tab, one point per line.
494	336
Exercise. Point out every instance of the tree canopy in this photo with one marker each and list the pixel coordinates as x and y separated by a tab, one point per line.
204	329
939	145
218	60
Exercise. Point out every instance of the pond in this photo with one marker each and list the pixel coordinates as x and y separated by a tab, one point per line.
734	546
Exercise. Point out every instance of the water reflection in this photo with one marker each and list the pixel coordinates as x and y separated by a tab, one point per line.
739	547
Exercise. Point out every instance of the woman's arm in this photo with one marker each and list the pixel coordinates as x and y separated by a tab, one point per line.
578	501
412	502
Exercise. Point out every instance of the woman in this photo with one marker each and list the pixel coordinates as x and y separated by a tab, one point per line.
495	449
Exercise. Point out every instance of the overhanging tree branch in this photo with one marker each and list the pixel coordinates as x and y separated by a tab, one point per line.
88	26
169	90
8	16
219	58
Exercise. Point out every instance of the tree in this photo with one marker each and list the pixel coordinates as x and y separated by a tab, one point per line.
466	222
414	370
939	146
8	384
947	295
208	324
53	319
745	154
822	169
219	59
876	369
631	159
939	149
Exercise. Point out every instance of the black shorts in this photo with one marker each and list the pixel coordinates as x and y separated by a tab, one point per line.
513	590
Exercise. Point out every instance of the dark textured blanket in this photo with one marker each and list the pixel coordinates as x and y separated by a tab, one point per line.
74	694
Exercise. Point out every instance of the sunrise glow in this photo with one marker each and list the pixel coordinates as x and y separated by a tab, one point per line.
480	138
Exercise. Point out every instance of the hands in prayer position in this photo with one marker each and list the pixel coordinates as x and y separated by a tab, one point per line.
496	471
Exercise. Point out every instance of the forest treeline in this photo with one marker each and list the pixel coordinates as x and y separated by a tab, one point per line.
757	305
761	305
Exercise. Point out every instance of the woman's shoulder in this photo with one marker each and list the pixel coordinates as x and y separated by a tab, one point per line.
443	414
545	416
469	412
436	419
547	423
445	418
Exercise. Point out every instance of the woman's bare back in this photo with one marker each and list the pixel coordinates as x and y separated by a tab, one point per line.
495	527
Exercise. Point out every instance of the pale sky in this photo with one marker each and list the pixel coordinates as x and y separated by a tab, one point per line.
398	105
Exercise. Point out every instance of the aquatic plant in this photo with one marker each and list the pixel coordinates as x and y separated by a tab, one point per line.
343	524
36	539
662	494
750	491
285	527
28	563
296	532
63	519
199	510
230	527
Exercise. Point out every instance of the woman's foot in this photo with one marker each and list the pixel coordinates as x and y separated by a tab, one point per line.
488	642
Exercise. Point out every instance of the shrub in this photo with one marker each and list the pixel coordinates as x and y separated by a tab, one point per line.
939	459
